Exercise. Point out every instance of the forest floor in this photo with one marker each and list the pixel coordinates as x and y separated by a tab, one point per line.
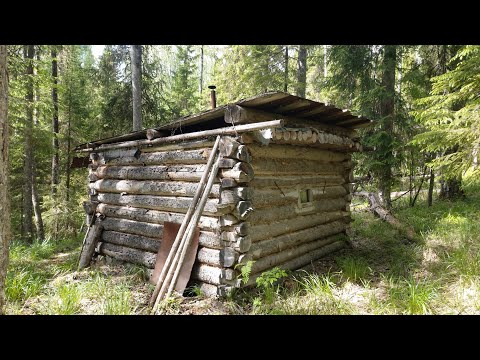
380	273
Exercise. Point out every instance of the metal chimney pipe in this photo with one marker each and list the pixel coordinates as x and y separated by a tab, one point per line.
213	96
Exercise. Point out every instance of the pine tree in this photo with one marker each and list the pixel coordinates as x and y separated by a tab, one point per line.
450	114
4	175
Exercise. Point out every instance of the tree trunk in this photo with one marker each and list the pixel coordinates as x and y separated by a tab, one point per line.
27	224
430	187
451	189
325	61
201	70
285	86
302	71
69	144
35	197
4	176
387	113
55	127
136	64
36	204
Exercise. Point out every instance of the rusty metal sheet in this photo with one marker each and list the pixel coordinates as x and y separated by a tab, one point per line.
170	231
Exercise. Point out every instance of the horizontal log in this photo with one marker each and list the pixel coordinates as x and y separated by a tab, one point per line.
153	172
124	253
154	134
267	197
228	220
276	259
155	216
259	232
164	203
241	172
279	243
274	181
133	227
274	151
206	289
226	163
212	275
244	193
243	209
263	166
133	241
90	207
241	229
268	215
187	136
151	187
117	153
206	238
304	259
242	244
239	243
92	176
228	183
231	148
197	156
183	145
226	257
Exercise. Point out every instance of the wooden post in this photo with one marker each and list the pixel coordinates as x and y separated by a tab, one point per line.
93	236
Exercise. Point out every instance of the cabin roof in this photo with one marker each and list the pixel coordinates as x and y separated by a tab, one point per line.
274	102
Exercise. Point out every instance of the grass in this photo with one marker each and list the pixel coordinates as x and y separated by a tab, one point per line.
42	279
381	273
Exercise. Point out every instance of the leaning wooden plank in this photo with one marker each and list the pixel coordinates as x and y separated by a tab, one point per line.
124	253
164	203
279	243
187	238
151	187
91	240
155	216
169	264
189	136
259	232
197	156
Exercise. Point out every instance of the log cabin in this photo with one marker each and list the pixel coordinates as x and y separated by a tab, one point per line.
281	196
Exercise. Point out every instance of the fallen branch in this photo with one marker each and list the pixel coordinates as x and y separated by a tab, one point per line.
384	214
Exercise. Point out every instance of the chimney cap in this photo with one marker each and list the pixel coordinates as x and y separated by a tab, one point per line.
213	87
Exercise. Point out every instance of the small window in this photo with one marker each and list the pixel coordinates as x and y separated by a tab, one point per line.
306	196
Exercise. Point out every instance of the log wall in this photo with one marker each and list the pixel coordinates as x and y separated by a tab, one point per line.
284	231
253	211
